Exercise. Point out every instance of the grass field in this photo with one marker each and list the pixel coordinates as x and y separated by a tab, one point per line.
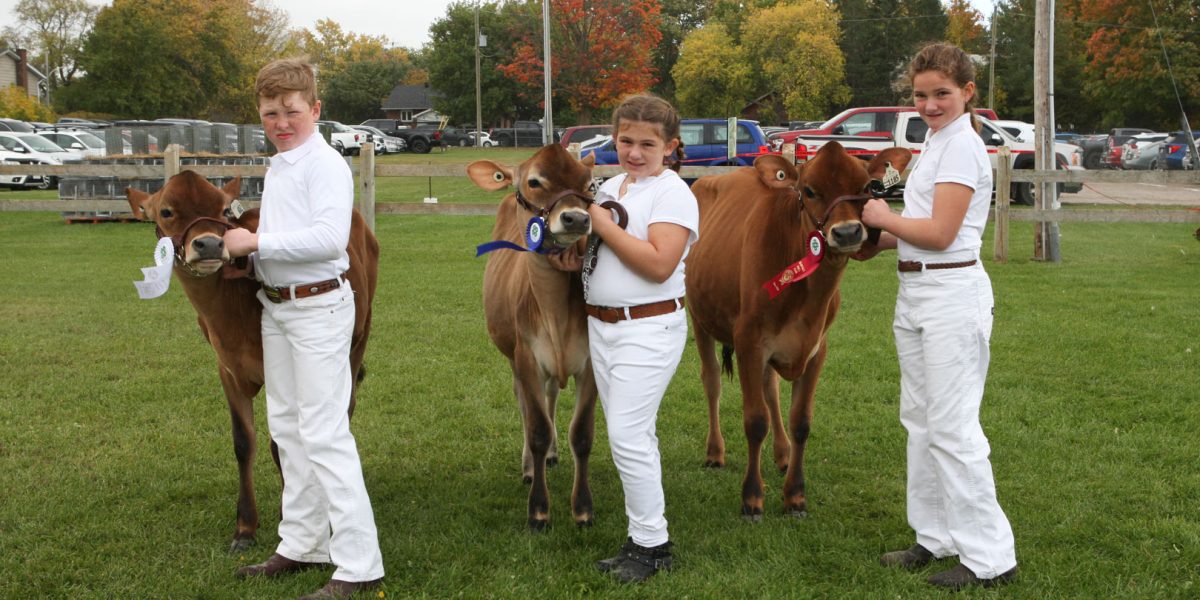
118	478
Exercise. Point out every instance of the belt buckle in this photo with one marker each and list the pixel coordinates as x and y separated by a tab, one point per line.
272	294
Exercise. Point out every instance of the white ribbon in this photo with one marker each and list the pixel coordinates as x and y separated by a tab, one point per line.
158	277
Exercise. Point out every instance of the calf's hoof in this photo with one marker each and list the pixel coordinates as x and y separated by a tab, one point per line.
582	522
551	461
241	544
538	525
798	513
714	464
752	514
527	479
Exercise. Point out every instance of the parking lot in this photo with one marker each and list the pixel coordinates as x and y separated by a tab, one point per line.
1174	194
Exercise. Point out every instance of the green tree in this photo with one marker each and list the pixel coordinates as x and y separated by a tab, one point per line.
450	61
355	72
964	28
794	48
357	92
679	18
55	32
158	58
713	74
882	36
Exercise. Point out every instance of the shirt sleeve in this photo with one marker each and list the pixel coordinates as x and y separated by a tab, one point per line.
960	161
677	204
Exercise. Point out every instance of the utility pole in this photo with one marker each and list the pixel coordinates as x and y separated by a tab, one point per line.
548	121
1045	240
478	105
992	64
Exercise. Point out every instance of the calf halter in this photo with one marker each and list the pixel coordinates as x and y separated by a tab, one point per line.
178	239
536	228
816	239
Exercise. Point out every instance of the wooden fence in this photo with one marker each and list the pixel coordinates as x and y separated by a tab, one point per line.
366	171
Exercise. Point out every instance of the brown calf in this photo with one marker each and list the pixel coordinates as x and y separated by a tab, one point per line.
535	314
194	212
754	223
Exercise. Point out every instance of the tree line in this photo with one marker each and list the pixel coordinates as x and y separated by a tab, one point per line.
1117	63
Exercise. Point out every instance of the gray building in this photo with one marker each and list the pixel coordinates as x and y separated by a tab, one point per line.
16	70
412	104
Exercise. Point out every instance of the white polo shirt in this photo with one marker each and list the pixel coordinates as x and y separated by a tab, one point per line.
664	198
304	225
953	154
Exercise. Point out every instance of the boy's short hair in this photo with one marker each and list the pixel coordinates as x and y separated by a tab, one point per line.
284	76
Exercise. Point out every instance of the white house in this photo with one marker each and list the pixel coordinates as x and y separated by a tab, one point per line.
16	70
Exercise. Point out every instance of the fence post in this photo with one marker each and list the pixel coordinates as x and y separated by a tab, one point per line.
789	153
1003	189
171	162
573	150
366	183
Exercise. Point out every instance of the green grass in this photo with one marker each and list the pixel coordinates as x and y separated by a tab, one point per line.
118	476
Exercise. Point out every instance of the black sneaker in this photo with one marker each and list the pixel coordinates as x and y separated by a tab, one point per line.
961	577
914	557
637	563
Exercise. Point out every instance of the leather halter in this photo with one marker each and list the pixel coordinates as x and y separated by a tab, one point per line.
875	189
178	239
545	210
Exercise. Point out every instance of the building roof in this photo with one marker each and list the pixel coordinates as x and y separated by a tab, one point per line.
410	97
11	53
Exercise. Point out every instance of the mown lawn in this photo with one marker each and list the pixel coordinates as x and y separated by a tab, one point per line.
118	477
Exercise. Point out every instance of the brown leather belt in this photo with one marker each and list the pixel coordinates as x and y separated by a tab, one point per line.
909	266
612	314
282	294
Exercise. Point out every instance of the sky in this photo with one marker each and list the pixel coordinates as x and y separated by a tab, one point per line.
404	23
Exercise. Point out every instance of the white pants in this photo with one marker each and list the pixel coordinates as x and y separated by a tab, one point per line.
306	357
943	326
633	361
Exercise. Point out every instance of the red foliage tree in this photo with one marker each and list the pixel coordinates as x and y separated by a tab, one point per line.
601	50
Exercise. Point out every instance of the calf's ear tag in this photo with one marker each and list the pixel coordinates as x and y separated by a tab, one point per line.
891	177
236	209
535	233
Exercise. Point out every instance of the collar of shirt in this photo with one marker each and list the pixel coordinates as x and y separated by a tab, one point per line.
939	137
294	155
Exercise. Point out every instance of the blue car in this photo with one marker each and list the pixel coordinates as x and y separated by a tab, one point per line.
705	144
1174	154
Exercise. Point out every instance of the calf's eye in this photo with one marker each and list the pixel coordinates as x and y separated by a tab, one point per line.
165	213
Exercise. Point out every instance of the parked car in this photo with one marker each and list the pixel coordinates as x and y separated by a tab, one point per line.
15	148
1175	154
485	140
15	125
345	140
81	123
384	143
1116	139
453	136
1019	129
1141	151
867	121
83	142
705	144
579	134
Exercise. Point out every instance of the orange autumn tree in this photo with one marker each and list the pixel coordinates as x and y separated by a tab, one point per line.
600	51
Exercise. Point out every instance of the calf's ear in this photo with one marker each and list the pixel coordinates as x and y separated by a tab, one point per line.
896	158
137	202
489	175
232	190
775	172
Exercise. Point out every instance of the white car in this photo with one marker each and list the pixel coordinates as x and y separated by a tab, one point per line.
384	143
31	148
485	139
84	142
346	141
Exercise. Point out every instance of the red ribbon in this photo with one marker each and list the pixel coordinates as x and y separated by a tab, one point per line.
799	269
